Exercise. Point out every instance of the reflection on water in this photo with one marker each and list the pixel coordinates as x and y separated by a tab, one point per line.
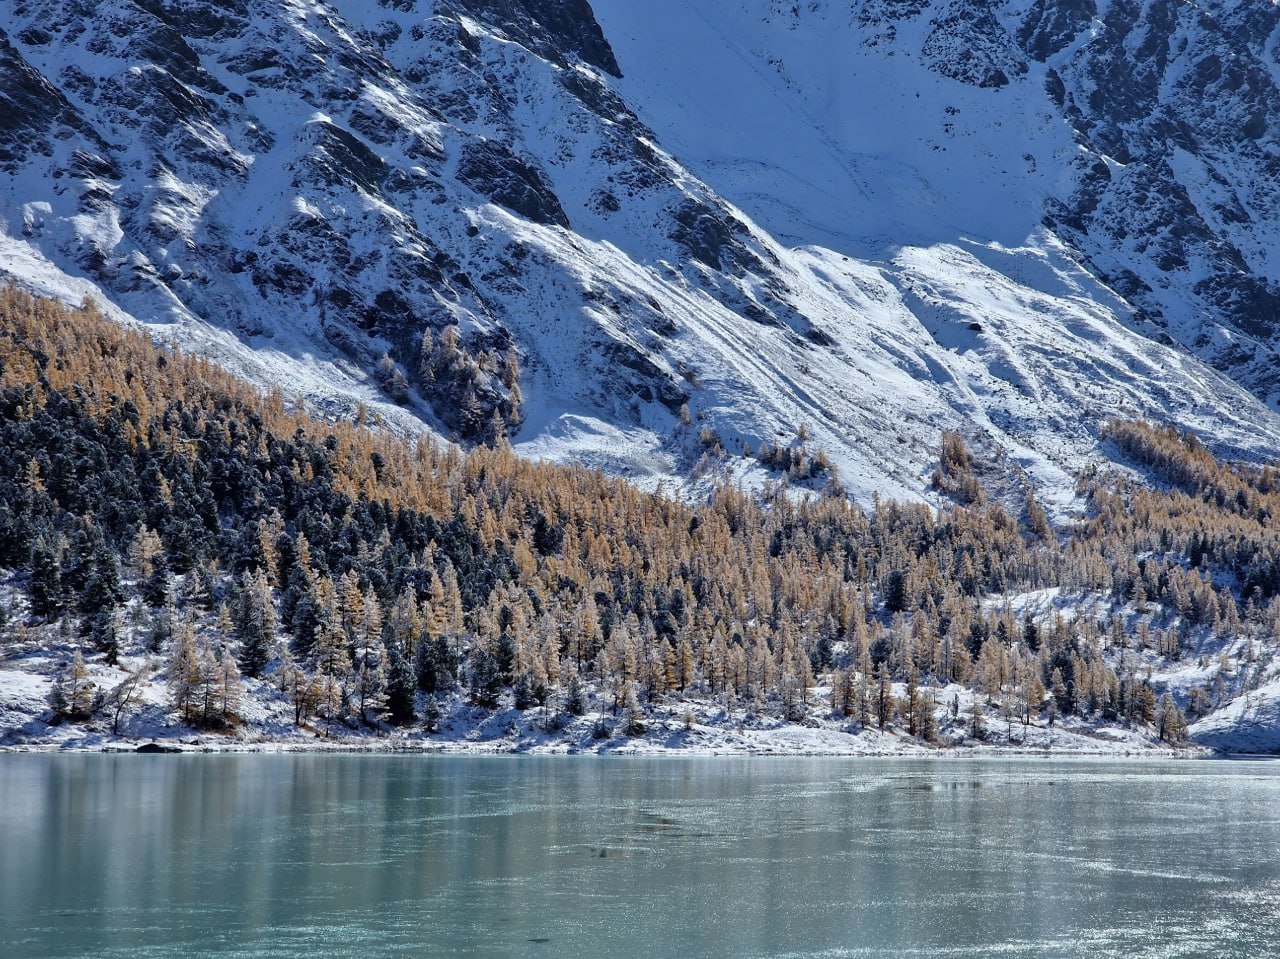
264	856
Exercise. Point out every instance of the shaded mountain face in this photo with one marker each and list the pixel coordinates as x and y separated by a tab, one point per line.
1176	193
879	220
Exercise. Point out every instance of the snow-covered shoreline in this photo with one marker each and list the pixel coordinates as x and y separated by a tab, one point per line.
674	726
523	738
745	750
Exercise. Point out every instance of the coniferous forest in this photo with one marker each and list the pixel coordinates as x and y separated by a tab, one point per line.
181	552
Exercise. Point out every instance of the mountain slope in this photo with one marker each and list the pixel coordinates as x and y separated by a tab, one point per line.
299	188
182	555
1141	134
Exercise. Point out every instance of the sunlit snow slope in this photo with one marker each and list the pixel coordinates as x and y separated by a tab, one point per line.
832	127
919	140
831	216
1146	135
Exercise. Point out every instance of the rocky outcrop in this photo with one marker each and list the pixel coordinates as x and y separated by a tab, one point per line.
557	30
1180	106
32	111
967	43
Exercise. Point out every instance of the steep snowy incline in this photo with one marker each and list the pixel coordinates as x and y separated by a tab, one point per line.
681	208
831	127
1176	193
1145	135
920	138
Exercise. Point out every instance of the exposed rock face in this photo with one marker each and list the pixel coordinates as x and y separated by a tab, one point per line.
967	43
1182	102
557	30
1176	198
492	170
32	111
303	188
255	157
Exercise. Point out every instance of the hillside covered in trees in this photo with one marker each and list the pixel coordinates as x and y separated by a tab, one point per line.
181	555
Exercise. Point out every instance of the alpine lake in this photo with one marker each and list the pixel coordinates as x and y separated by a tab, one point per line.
369	856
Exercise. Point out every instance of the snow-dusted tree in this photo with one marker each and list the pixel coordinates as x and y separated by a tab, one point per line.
789	691
125	695
73	693
392	379
584	634
1032	695
841	698
143	550
401	688
883	697
157	585
285	661
486	679
48	596
977	724
632	715
256	623
926	717
102	631
522	692
539	683
549	657
330	653
331	697
1199	702
863	695
229	686
993	669
911	705
184	669
405	623
575	699
350	604
1170	721
432	715
297	685
96	574
684	664
453	621
434	665
1141	703
369	684
208	697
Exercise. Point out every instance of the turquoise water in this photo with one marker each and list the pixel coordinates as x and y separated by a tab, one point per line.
355	856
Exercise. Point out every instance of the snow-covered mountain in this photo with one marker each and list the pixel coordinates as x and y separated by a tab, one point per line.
878	218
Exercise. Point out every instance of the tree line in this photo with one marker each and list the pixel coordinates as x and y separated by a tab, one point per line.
149	498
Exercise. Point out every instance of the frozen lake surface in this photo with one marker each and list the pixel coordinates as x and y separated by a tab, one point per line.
385	856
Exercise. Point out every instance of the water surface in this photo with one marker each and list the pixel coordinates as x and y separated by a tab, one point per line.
370	856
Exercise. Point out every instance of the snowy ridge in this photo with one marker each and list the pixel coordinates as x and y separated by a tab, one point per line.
779	218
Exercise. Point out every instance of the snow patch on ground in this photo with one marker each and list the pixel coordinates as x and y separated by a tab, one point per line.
1248	724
